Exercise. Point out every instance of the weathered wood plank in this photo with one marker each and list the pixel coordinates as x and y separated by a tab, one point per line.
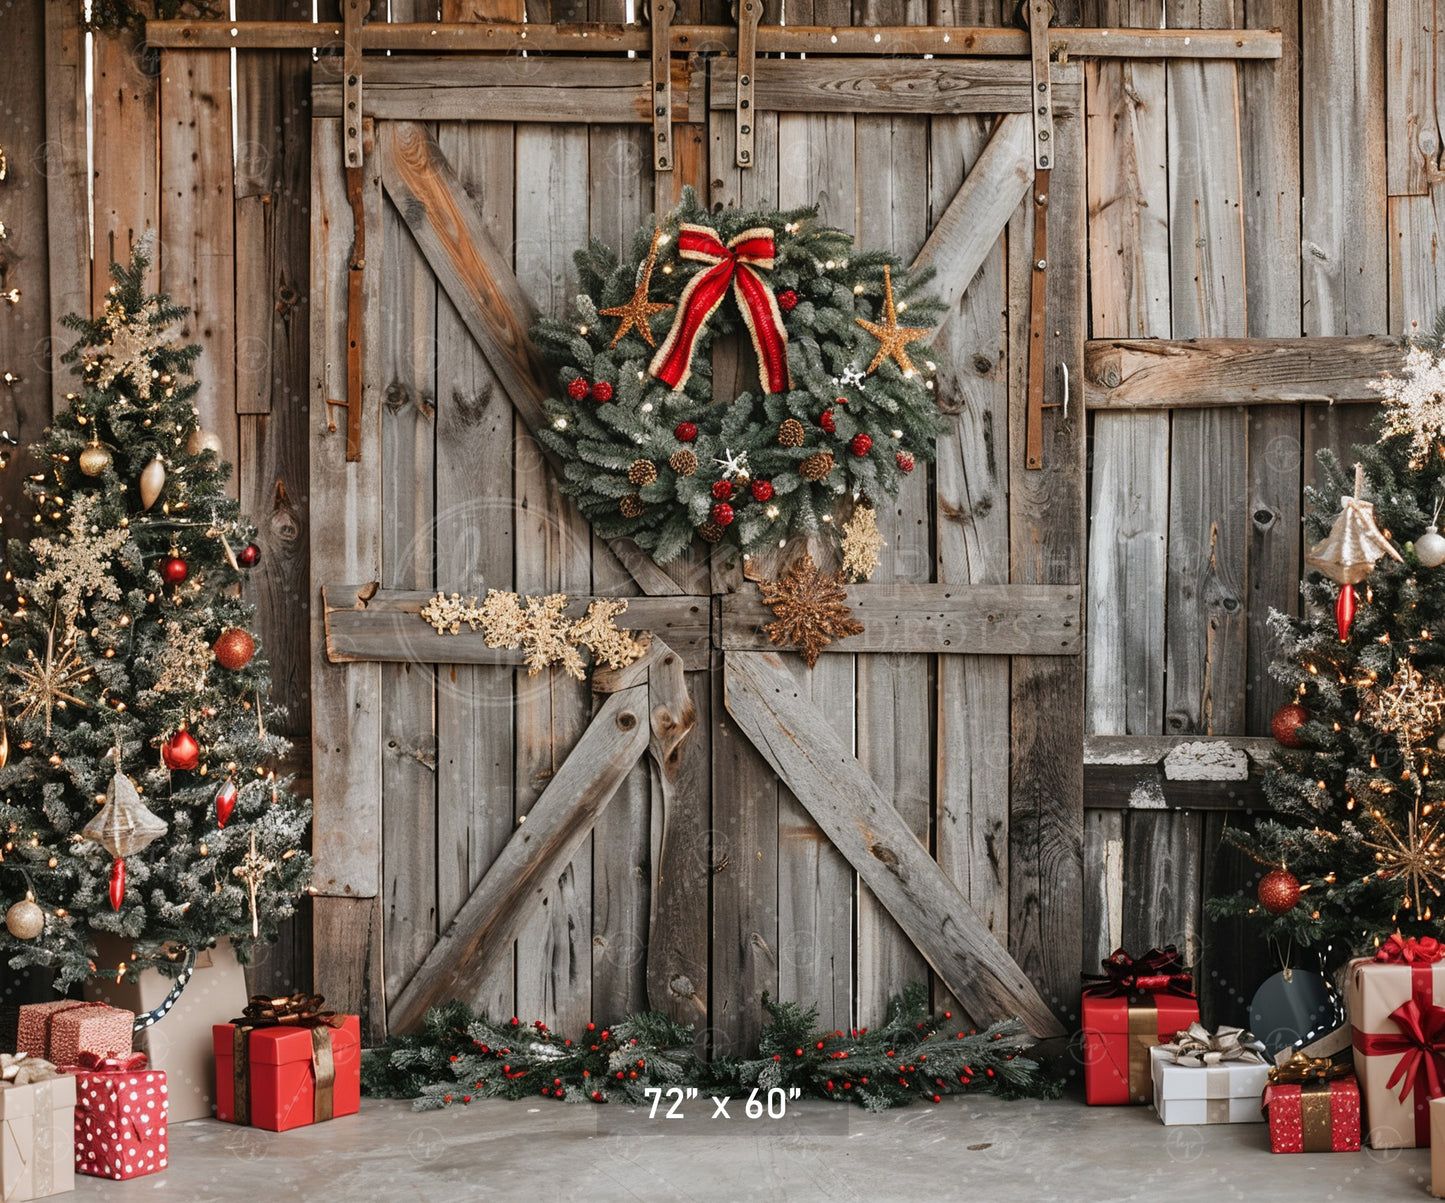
1040	620
197	252
526	873
1163	855
480	283
347	965
839	85
345	699
1103	884
125	173
863	823
1155	749
1192	373
1412	123
367	623
1145	787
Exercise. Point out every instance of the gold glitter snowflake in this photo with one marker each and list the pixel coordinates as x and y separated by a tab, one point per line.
540	627
80	564
1410	707
134	341
862	544
187	659
811	609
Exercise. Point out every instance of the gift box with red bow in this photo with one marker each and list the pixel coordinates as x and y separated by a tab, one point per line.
286	1063
61	1031
1132	1006
1313	1105
120	1116
1396	1002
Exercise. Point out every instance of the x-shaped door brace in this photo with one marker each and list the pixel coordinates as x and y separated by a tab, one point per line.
649	713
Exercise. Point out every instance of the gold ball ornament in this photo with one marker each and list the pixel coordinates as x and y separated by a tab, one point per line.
152	481
642	472
790	433
234	648
95	459
204	440
25	920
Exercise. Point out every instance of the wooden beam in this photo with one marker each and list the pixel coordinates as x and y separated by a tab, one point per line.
364	622
1158	373
1145	787
1156	749
479	282
763	699
1035	620
511	37
527	868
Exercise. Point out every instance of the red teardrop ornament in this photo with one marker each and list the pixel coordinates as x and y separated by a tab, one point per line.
225	803
117	884
181	752
1345	611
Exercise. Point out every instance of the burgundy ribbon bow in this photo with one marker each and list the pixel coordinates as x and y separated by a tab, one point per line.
1158	971
292	1010
110	1063
1400	950
737	264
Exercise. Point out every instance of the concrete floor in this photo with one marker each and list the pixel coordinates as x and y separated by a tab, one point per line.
977	1149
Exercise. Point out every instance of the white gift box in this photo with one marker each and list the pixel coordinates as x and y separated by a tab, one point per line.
1213	1094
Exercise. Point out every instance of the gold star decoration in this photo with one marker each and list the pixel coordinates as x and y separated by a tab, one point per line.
862	544
251	870
1415	855
1410	707
811	609
639	310
49	684
893	339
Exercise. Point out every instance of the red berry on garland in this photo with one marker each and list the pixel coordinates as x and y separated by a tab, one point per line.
181	752
825	420
602	392
234	648
249	556
1279	891
762	490
722	489
861	444
787	300
685	432
722	513
174	570
1285	724
905	461
577	388
225	803
840	400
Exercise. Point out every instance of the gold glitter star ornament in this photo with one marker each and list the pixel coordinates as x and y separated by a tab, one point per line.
893	339
811	607
637	313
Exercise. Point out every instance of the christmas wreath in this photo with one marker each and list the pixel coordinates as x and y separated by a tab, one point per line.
840	411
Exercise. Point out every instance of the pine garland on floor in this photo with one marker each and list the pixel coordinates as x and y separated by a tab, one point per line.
459	1056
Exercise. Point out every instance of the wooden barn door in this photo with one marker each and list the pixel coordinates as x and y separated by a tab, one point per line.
716	821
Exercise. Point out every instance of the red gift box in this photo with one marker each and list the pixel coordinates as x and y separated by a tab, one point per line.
120	1116
1314	1117
287	1074
1132	1006
59	1032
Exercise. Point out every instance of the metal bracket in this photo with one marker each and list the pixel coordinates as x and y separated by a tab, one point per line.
750	12
1040	12
353	12
660	14
355	295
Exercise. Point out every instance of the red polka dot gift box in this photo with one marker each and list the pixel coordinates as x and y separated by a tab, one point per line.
1313	1106
286	1063
120	1116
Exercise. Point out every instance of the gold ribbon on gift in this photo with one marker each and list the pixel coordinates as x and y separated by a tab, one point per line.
1198	1047
21	1069
1301	1070
1143	1035
1315	1101
1216	1094
293	1010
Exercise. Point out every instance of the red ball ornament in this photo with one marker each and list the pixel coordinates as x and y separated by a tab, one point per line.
577	388
602	392
1279	891
234	648
722	513
722	489
117	884
787	300
1285	724
861	444
904	460
762	490
685	432
225	803
181	752
174	570
249	556
825	420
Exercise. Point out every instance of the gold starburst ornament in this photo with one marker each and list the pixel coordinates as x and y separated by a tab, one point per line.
811	607
50	684
1415	854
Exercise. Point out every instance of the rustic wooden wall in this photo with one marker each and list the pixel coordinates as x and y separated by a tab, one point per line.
1217	205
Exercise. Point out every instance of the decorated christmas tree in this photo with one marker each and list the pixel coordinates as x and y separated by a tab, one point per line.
1352	849
137	790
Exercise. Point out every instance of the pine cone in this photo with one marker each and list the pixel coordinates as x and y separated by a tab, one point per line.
817	466
642	472
790	433
711	531
683	462
631	506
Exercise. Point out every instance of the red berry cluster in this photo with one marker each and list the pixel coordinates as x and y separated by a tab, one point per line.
578	389
787	300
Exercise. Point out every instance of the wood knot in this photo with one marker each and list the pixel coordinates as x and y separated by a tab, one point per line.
682	986
885	856
626	720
